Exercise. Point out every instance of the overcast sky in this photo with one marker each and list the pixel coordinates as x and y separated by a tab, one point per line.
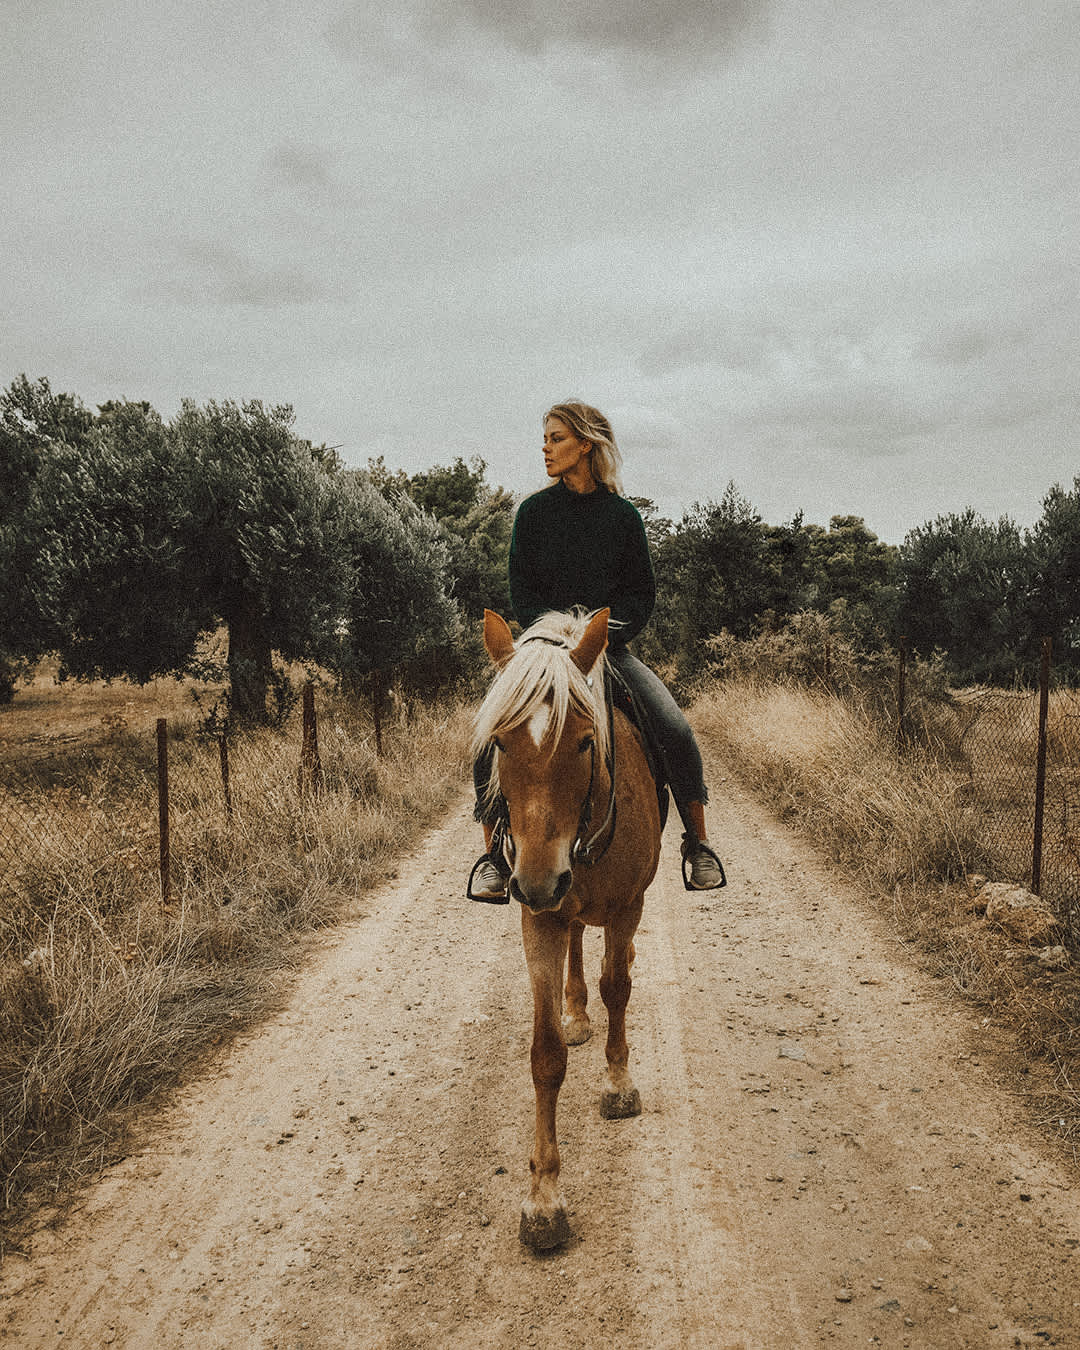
825	250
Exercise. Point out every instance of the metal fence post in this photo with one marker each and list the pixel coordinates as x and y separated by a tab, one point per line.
1040	768
901	692
163	807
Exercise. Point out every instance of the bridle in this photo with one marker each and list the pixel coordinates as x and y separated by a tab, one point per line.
586	851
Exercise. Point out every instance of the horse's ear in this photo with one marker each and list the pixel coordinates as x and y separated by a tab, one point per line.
498	638
593	641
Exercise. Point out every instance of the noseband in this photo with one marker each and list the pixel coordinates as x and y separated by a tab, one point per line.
584	851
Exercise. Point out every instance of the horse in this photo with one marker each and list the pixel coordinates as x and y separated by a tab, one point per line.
579	827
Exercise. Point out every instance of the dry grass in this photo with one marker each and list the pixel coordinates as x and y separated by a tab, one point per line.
909	830
106	993
828	764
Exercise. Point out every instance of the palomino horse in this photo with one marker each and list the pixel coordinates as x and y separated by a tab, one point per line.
580	826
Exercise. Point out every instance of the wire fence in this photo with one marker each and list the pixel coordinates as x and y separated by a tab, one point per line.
119	804
1018	751
125	808
1014	754
1023	774
55	809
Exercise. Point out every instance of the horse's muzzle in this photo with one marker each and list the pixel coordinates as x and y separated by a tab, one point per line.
543	897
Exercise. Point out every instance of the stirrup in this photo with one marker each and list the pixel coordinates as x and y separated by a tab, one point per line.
503	899
688	851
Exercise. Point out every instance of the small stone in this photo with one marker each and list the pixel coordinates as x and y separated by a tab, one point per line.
1019	913
1054	958
843	1296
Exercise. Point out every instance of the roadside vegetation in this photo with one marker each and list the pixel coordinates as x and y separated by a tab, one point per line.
106	993
917	824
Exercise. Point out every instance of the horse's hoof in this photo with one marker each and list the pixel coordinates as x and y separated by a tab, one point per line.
576	1030
620	1105
541	1231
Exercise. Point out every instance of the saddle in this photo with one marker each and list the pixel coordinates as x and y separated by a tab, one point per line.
621	697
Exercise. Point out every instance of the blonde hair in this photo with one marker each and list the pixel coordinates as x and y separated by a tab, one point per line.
589	424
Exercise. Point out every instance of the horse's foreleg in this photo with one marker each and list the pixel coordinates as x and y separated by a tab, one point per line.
575	1023
620	1097
543	1215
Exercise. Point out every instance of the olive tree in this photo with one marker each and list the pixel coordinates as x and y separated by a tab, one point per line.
33	423
397	585
259	537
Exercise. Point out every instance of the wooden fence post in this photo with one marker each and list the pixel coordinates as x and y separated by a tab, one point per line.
310	777
1040	768
376	709
223	754
163	807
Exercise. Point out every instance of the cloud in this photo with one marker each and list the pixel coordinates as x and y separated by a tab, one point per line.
959	344
845	382
221	275
653	31
733	341
300	169
636	25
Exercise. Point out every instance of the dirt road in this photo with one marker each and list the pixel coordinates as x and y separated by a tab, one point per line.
828	1155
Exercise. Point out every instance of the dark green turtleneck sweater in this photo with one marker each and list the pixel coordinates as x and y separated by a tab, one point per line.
588	549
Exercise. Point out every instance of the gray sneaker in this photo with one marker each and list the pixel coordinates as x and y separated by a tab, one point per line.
702	870
488	883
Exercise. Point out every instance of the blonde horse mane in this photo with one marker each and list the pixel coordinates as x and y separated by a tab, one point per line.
540	673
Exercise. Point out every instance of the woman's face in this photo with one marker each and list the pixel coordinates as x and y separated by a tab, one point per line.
563	452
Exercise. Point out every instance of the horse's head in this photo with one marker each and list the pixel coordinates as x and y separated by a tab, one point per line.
545	715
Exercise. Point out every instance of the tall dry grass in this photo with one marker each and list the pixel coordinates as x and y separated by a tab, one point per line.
106	993
832	765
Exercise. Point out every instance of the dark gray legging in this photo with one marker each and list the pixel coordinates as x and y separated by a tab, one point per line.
682	758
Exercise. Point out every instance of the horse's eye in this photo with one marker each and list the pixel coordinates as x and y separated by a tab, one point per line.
586	744
499	746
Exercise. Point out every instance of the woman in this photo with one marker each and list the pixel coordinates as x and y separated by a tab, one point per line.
580	542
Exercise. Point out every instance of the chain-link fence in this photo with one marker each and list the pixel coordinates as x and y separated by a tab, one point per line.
1026	801
1018	751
